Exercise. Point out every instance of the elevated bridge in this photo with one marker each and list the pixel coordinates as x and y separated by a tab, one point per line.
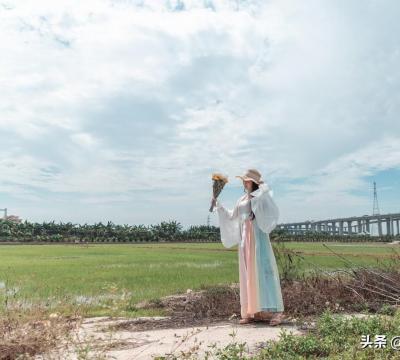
386	224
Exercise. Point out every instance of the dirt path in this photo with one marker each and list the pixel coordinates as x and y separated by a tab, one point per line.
118	339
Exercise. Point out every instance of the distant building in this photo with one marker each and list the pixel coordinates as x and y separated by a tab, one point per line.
14	218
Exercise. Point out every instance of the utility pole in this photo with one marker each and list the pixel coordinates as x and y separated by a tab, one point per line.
208	220
5	212
375	210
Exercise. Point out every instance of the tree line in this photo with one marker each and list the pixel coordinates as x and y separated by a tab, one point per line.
166	231
99	232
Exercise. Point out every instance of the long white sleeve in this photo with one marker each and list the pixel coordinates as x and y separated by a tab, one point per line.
264	208
229	225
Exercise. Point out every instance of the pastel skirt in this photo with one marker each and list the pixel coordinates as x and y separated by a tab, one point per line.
260	288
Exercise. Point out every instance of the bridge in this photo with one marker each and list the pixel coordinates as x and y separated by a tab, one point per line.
386	224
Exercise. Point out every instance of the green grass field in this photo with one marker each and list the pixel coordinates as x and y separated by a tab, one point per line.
110	278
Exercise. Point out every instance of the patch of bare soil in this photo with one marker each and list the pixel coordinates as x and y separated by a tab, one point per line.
216	304
97	340
24	335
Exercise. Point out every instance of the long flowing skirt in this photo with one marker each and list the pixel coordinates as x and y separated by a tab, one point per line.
260	288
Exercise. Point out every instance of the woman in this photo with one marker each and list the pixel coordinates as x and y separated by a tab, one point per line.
255	215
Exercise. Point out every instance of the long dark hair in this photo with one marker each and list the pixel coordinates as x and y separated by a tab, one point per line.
254	186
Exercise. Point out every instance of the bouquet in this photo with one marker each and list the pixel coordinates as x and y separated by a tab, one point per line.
219	182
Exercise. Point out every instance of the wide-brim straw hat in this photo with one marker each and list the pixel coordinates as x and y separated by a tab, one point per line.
253	175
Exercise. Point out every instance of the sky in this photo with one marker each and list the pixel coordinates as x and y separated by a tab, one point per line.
121	110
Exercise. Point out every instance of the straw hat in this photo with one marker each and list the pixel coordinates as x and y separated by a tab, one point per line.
251	174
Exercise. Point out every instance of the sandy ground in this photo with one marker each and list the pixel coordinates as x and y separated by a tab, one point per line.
95	339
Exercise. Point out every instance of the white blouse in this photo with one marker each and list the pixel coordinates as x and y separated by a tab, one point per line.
263	206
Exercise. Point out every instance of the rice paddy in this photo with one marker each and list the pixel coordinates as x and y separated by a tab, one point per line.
111	278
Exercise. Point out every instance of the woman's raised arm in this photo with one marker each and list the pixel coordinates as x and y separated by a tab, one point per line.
265	209
229	225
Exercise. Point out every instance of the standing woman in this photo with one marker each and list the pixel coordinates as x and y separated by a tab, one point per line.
255	215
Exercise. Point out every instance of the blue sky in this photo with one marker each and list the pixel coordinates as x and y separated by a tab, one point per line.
122	110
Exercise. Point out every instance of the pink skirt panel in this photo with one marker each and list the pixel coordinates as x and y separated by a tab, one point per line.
259	279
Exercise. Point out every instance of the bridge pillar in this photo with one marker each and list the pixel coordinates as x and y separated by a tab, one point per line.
367	225
359	227
380	227
398	230
388	230
349	230
340	227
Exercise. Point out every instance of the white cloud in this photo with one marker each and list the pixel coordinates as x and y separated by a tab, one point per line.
337	184
133	101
